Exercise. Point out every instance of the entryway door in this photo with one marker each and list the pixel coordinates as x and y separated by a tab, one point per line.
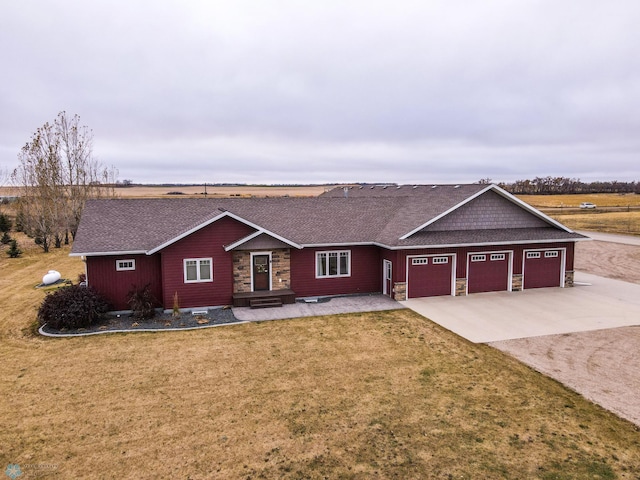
387	282
260	272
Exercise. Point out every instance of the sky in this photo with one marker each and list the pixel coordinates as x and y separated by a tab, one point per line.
277	92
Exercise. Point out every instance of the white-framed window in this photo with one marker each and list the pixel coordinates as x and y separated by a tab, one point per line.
440	260
497	256
533	254
335	263
551	254
123	265
419	261
478	258
198	270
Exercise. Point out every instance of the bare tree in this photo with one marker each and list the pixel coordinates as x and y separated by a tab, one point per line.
39	179
56	176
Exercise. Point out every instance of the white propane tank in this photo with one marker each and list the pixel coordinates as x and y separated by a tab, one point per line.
51	277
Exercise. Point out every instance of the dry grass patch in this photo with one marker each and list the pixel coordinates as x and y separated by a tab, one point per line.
600	199
627	223
376	395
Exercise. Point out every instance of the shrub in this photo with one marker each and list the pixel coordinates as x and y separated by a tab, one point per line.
72	307
142	302
5	223
14	251
6	239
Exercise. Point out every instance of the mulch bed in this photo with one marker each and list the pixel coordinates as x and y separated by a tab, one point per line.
164	321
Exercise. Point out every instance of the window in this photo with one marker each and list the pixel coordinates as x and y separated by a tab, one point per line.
533	254
419	261
497	256
122	265
551	254
478	258
440	260
198	270
333	264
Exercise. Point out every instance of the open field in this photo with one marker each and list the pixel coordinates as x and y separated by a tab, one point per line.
381	395
608	222
149	191
567	201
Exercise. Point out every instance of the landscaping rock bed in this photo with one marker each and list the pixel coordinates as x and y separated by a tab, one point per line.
164	321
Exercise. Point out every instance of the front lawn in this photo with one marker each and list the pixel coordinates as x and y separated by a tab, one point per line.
377	395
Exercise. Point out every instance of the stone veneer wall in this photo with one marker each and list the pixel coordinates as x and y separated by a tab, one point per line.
568	279
400	291
280	270
516	282
461	287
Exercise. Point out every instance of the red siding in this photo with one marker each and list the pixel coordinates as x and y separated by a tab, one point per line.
205	243
366	273
115	285
430	279
489	275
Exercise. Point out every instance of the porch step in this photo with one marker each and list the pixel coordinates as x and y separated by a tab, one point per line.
265	302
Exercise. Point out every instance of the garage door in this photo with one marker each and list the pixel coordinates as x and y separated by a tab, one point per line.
488	272
542	268
430	276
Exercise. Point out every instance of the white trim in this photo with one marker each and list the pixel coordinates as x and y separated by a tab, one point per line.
257	233
508	257
109	254
215	219
198	264
420	261
255	254
387	263
120	268
338	254
563	262
453	270
365	244
478	257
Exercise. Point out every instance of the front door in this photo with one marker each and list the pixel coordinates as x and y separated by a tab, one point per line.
260	272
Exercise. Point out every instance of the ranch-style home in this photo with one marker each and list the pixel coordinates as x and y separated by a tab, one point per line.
403	241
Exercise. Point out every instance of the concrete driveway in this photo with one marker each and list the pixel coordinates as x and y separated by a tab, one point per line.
595	303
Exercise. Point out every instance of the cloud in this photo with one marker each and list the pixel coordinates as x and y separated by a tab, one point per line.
323	91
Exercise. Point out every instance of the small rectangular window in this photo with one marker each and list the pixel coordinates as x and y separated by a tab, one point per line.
551	254
440	260
198	270
497	256
478	258
419	261
123	265
533	254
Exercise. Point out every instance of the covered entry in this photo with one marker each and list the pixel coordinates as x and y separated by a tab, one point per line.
488	271
430	275
543	268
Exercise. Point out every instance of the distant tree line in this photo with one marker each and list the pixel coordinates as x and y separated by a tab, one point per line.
558	185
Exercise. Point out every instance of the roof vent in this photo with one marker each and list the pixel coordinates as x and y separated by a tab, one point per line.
222	209
372	187
385	186
457	186
360	187
434	186
346	191
415	186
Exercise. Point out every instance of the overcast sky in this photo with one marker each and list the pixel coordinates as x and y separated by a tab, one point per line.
331	91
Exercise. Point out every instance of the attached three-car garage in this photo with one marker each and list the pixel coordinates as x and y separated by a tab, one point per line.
486	271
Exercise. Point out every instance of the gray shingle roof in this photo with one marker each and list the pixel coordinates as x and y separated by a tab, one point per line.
144	225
